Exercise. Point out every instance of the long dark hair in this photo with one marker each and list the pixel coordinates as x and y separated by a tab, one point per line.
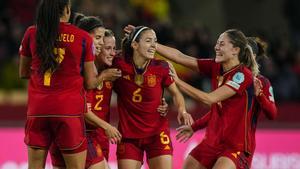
47	23
135	35
238	39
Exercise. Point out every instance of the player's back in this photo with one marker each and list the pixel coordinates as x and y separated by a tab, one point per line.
64	85
72	47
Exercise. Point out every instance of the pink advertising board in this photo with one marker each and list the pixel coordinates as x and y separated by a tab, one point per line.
276	149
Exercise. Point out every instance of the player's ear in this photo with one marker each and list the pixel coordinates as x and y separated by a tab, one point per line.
134	45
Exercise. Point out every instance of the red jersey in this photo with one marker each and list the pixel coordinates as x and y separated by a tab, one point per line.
137	104
99	101
229	119
59	93
264	103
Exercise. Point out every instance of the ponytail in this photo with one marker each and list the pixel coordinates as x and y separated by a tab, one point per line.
246	57
249	60
47	25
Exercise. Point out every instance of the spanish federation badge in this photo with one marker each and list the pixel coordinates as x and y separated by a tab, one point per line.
139	79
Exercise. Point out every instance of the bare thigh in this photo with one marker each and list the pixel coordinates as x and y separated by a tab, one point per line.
191	163
76	160
126	164
161	162
101	165
36	158
224	163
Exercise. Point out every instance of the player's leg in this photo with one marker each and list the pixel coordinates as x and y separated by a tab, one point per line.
159	150
36	158
70	138
37	139
75	160
233	159
127	163
95	157
130	154
224	163
161	162
203	156
57	159
191	163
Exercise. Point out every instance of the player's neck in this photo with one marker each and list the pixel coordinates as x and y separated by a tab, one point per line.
140	62
230	64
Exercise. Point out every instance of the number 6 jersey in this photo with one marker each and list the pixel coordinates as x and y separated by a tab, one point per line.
139	98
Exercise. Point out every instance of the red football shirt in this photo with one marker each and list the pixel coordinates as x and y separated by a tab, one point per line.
60	93
229	119
137	104
99	101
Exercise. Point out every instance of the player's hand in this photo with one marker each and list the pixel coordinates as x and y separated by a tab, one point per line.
184	133
257	86
172	71
163	108
185	118
128	29
111	74
113	134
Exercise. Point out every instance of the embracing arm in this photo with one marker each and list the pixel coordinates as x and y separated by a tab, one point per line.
177	56
180	104
92	80
111	132
215	96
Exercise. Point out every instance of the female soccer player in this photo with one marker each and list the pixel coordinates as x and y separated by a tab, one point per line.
52	55
263	103
139	92
98	101
226	142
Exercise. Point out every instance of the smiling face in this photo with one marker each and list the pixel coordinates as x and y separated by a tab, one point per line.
224	49
97	35
108	51
146	47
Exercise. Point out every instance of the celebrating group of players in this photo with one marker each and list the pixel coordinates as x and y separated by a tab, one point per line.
72	69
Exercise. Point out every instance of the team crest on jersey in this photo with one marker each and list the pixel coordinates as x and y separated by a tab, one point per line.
238	77
151	80
108	85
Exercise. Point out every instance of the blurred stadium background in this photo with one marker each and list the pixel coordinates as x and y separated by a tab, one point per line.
191	26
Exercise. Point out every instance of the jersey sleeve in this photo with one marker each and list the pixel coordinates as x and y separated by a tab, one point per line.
205	66
167	77
202	122
90	50
266	99
240	81
24	49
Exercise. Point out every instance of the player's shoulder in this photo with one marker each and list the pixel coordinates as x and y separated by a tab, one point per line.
245	70
31	29
160	63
